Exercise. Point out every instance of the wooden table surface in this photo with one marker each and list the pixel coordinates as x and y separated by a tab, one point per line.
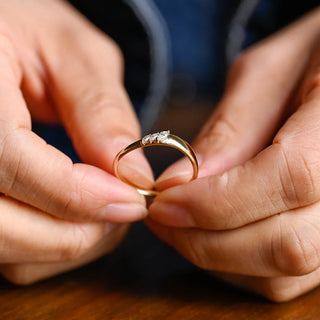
144	279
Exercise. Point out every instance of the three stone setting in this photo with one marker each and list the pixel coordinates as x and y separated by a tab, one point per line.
155	137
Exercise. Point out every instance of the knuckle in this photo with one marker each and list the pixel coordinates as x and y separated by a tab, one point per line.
221	219
225	219
103	104
247	61
299	174
77	243
196	249
221	131
295	249
12	167
71	251
97	100
79	204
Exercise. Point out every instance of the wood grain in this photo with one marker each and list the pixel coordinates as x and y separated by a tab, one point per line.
144	279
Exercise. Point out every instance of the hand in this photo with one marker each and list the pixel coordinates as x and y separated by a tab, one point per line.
253	216
56	67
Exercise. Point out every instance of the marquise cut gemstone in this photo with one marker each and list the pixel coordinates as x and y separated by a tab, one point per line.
154	137
146	139
163	135
159	137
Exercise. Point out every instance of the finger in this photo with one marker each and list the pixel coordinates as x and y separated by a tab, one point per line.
27	273
279	289
282	177
31	236
87	86
252	108
282	245
36	173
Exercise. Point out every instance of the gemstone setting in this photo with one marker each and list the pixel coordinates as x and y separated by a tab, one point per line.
155	137
146	139
163	136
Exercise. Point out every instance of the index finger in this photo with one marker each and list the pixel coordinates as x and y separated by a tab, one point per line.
38	174
282	177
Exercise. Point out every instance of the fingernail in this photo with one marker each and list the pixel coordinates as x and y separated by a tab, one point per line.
170	214
123	212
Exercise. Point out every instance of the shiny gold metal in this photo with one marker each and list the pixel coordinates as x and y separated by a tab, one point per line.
163	138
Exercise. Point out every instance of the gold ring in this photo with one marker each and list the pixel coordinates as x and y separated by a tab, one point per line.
163	138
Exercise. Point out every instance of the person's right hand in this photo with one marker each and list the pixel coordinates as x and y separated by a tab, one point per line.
252	218
55	215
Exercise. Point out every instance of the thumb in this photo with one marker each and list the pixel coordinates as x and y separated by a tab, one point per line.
88	89
254	104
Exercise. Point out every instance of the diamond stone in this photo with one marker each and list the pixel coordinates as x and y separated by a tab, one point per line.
154	137
163	136
146	139
159	137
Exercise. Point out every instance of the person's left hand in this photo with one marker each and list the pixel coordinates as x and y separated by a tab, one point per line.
56	215
253	216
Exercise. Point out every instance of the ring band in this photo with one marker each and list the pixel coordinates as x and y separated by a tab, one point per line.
163	138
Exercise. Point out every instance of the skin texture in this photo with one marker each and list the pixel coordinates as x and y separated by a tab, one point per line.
253	216
58	68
